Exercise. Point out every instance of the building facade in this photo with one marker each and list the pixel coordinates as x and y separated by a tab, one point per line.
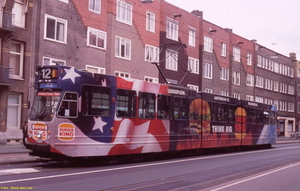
15	65
136	39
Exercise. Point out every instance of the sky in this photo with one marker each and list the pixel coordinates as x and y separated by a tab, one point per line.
275	24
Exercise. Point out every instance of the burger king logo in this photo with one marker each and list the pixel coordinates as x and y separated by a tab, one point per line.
66	132
240	126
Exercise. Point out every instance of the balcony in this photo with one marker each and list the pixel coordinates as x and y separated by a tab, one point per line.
4	76
6	25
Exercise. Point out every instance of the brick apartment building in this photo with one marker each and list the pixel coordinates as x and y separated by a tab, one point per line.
126	38
15	65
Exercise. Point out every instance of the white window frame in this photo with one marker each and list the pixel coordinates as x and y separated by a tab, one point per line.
95	69
276	86
171	60
151	79
249	59
237	54
249	97
123	48
53	61
151	53
122	74
236	78
124	12
95	6
223	50
224	93
60	21
172	27
193	87
208	44
259	99
192	36
236	95
18	12
12	109
224	74
193	65
207	70
150	21
259	82
291	106
99	35
17	72
208	90
250	80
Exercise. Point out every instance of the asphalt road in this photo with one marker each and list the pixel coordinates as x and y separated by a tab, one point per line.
189	173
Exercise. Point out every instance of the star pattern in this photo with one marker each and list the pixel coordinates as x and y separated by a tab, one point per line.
71	74
99	124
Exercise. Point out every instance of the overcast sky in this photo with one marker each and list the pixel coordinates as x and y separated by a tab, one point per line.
275	24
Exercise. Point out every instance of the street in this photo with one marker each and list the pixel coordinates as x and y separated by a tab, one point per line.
244	170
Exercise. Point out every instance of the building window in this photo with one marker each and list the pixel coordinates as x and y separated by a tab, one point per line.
96	38
249	97
224	74
55	29
259	82
171	60
259	99
207	70
250	80
52	61
193	87
16	59
151	53
249	59
224	93
236	78
95	69
95	6
298	107
65	1
192	37
291	107
123	48
150	79
208	44
236	54
150	21
237	96
18	12
14	106
208	90
172	29
194	65
122	74
276	86
124	12
223	50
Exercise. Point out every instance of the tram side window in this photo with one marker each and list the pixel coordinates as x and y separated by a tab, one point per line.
95	101
68	107
251	115
231	113
259	116
180	108
146	105
212	107
164	107
272	118
126	103
222	112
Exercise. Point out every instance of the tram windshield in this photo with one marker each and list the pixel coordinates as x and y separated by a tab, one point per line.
44	106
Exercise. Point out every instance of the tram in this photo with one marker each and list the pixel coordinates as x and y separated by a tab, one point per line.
81	114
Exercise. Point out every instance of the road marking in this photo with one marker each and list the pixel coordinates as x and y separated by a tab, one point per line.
18	171
255	177
139	166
